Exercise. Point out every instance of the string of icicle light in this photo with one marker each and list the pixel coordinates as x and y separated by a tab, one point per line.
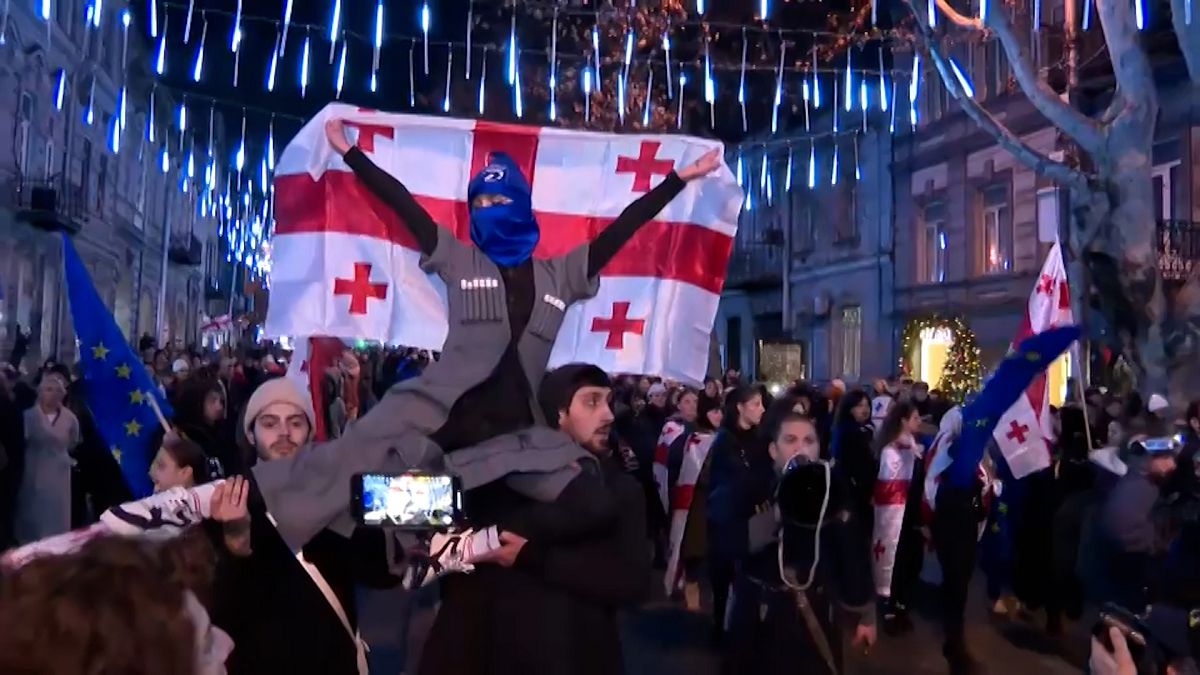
869	73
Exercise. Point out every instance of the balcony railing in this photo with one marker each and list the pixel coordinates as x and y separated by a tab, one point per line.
1178	249
757	259
186	249
49	204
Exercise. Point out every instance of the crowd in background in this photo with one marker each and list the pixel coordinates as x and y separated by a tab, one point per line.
1114	518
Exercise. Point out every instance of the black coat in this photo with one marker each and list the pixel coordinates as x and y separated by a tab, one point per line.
278	618
554	612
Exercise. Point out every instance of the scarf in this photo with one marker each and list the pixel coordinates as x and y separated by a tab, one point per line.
506	233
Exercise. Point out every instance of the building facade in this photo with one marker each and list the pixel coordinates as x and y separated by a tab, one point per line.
809	288
150	254
973	226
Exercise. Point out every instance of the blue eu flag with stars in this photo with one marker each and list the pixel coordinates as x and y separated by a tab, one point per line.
1005	386
117	386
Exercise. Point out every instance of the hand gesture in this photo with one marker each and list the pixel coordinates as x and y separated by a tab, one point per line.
511	544
228	502
707	164
335	131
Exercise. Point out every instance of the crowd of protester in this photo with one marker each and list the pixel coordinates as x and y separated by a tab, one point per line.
1115	519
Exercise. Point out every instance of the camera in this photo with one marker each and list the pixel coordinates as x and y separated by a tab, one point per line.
1155	639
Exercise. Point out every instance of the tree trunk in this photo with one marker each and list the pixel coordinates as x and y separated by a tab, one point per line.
1113	229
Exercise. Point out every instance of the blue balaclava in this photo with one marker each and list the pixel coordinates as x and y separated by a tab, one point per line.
506	233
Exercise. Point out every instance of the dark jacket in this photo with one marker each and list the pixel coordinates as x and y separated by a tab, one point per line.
554	612
739	470
278	618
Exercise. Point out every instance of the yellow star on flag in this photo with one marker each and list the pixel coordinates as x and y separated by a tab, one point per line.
1003	508
123	371
100	352
116	453
136	396
1033	356
133	428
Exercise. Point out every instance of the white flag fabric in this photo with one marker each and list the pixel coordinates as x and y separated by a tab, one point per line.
1025	430
344	265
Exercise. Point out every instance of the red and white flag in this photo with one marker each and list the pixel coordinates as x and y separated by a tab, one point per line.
343	264
695	452
1025	431
671	430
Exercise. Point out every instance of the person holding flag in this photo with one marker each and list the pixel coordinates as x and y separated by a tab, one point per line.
126	405
505	308
957	486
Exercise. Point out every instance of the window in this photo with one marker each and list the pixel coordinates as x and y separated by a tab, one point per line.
846	222
851	341
995	228
102	181
933	244
805	218
1166	190
733	342
49	170
1047	214
995	68
24	129
85	170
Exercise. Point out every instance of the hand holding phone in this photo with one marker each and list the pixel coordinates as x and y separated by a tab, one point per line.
411	501
1110	654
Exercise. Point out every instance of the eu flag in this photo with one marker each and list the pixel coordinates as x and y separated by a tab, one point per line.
1003	388
117	386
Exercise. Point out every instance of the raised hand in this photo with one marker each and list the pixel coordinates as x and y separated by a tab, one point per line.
228	502
707	164
335	131
228	506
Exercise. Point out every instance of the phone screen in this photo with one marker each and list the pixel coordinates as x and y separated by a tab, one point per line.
409	500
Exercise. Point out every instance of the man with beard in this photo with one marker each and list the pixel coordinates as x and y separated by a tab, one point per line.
537	607
289	612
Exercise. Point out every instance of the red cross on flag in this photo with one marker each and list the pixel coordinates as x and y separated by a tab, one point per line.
344	265
1025	431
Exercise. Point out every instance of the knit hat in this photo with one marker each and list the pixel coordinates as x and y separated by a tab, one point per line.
277	390
181	365
1157	403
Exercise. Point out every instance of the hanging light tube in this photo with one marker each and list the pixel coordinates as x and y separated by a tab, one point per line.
198	65
304	67
587	95
335	27
425	21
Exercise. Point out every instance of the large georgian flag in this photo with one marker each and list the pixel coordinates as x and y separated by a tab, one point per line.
1025	431
344	265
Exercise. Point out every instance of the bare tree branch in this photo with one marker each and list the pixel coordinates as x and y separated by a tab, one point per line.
1188	35
1057	171
1131	67
1081	128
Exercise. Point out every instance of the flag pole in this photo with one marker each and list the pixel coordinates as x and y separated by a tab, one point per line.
158	412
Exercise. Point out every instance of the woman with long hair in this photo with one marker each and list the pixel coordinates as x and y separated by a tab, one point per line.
898	544
736	464
851	448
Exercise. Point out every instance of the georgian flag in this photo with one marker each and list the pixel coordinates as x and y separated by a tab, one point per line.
695	452
1025	431
671	430
344	265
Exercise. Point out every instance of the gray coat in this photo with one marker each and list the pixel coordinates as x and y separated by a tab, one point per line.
311	490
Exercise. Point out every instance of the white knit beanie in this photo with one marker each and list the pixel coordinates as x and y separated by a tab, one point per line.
277	390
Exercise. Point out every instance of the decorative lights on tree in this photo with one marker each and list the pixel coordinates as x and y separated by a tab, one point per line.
963	370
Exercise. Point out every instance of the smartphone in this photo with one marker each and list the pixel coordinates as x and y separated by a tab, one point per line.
410	501
1112	616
